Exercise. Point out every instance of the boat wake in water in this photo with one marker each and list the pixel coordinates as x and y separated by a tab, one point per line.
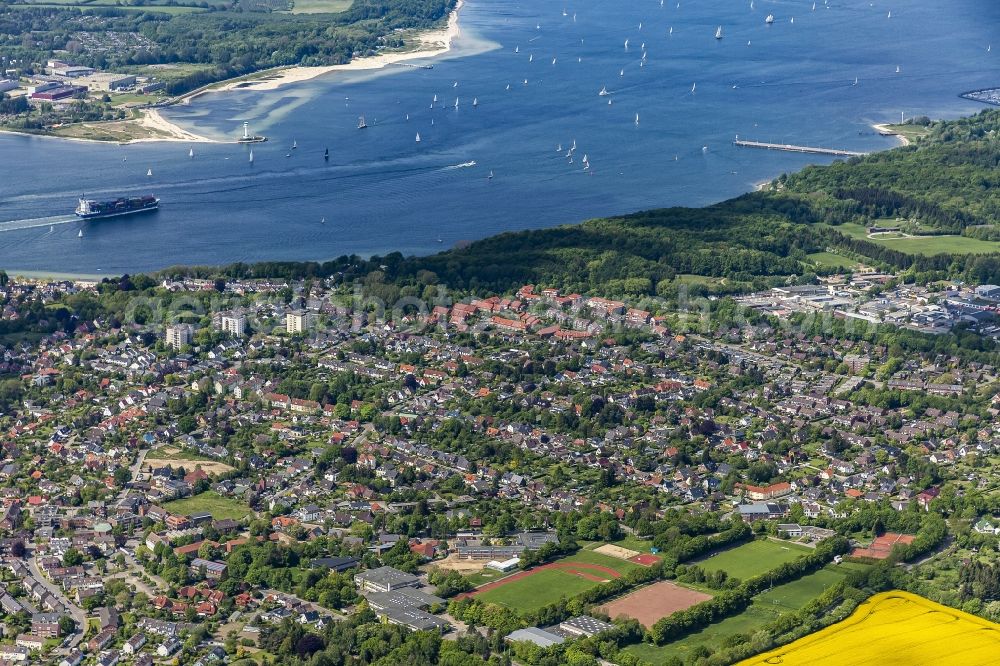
17	225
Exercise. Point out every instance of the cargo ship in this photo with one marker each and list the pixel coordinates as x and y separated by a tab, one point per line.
88	209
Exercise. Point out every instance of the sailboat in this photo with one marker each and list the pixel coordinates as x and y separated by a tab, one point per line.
80	234
434	101
418	137
517	49
559	148
693	86
770	19
323	221
191	152
456	102
609	102
604	92
621	73
791	20
553	61
361	122
475	101
490	177
455	84
295	144
149	172
889	15
531	58
855	80
564	13
897	69
626	45
52	228
671	31
718	32
508	86
814	6
251	156
637	120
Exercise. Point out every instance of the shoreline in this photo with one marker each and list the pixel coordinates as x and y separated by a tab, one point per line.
430	43
884	130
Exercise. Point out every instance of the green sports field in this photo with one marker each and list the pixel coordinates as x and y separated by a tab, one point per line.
753	558
548	585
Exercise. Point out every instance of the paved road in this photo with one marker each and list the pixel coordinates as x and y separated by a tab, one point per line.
75	611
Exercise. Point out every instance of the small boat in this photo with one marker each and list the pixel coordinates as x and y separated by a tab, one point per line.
704	149
604	92
326	153
770	19
149	172
538	26
191	152
295	144
475	101
361	122
718	32
526	82
418	137
564	12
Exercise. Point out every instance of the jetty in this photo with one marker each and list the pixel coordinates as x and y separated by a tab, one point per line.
791	148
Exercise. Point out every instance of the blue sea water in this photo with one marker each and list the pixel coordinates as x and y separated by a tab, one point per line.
792	82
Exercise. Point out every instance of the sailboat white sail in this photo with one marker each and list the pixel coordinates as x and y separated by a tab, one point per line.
149	172
770	19
191	152
604	92
418	137
637	120
251	156
718	32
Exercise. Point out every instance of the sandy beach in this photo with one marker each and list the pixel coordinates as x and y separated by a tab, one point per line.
432	43
153	121
884	129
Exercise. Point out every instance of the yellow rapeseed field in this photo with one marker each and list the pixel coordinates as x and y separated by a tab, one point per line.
895	628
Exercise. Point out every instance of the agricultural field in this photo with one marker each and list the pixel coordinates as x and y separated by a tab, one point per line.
927	245
545	584
211	502
320	6
753	558
913	630
830	260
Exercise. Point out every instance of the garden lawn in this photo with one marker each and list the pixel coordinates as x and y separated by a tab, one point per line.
209	502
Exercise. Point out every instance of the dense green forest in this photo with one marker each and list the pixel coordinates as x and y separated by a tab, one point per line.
233	42
946	180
